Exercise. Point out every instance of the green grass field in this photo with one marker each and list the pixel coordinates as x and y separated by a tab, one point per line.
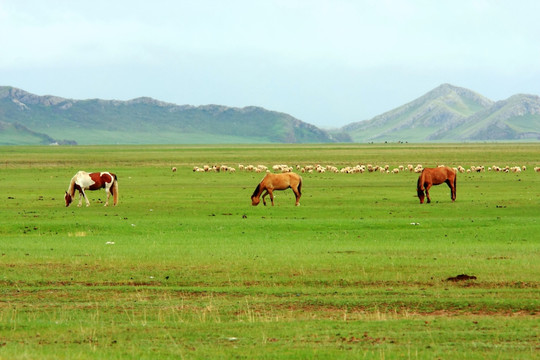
185	267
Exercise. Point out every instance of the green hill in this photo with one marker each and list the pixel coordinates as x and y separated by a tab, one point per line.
147	121
15	134
516	118
449	114
418	120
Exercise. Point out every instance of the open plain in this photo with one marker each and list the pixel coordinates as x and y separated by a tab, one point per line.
185	267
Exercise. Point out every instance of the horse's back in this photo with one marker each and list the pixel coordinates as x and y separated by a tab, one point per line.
281	181
95	180
438	175
80	174
294	178
450	173
107	176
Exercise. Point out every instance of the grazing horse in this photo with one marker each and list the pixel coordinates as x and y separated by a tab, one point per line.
273	182
92	181
436	176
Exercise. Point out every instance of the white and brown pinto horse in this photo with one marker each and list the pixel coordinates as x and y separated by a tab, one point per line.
92	181
273	182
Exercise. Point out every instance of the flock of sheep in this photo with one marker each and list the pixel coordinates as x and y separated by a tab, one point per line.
280	168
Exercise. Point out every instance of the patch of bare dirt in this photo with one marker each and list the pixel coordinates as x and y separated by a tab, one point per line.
462	277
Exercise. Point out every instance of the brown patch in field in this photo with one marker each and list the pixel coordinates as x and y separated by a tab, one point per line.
363	339
344	252
387	311
462	277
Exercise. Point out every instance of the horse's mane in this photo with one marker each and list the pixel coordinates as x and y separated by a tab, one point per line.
256	192
71	188
420	183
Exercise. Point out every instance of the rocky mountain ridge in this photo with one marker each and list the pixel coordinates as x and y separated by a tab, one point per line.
146	120
446	114
449	113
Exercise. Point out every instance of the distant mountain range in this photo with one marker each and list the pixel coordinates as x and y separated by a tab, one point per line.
449	114
445	114
30	119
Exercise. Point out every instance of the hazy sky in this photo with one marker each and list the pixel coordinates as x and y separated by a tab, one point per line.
325	62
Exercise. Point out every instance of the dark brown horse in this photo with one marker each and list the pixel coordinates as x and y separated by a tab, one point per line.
92	181
273	182
436	176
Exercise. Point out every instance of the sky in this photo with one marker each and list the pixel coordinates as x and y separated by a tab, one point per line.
325	62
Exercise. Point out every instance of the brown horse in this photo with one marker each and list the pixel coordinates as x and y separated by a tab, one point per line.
273	182
94	181
436	176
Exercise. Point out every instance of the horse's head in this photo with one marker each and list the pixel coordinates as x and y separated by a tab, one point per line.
68	199
421	196
256	196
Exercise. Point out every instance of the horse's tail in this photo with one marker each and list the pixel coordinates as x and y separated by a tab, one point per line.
114	189
300	186
455	183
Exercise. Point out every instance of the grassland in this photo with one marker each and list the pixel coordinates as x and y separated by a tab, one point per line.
185	267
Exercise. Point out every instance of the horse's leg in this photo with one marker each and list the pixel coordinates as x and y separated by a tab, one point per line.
85	198
263	196
80	199
452	190
107	190
453	187
271	193
427	193
297	194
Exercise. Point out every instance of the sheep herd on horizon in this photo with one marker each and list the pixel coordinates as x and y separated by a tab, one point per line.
281	168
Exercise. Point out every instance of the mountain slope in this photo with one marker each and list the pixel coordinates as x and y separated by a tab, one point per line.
15	134
145	120
445	114
420	119
516	118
